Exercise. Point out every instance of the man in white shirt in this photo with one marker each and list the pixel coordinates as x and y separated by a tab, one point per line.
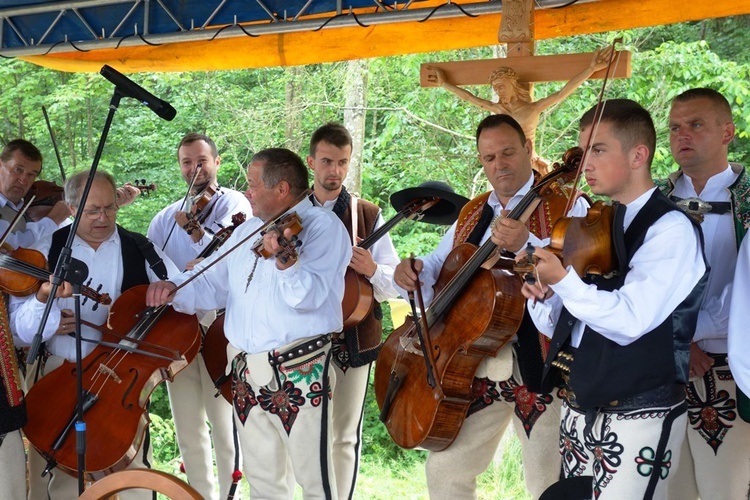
714	459
502	389
281	313
20	165
620	340
117	260
191	394
358	346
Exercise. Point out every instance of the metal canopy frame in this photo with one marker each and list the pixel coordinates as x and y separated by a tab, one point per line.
41	28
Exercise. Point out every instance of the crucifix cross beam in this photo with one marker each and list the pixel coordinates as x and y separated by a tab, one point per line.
530	69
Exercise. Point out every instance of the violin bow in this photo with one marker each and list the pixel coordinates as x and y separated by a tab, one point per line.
54	143
425	342
265	225
184	202
598	111
16	219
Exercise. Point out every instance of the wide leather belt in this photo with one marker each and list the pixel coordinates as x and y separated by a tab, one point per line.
664	395
719	359
275	358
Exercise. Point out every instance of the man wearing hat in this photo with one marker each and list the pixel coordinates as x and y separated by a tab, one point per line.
357	347
505	385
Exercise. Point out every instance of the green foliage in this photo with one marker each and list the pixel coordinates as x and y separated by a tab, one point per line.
412	134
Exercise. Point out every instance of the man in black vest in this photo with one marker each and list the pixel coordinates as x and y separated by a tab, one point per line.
358	346
118	260
621	342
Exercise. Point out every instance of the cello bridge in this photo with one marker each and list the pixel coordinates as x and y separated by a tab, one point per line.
106	370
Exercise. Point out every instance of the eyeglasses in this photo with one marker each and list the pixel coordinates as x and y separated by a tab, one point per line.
94	214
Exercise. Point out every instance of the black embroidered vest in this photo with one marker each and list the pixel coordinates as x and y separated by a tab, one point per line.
604	371
136	249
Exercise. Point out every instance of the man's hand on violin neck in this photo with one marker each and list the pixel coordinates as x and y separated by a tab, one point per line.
548	269
362	262
159	293
63	291
509	234
404	275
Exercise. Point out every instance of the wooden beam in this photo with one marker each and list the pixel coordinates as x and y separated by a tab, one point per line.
530	69
386	40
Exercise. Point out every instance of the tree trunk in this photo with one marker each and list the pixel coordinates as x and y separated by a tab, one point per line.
354	118
293	105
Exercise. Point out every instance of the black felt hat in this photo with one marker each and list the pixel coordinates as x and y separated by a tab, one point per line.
445	212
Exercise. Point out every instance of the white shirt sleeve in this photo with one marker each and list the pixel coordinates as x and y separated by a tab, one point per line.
661	276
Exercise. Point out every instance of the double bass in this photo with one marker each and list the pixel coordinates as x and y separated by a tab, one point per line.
475	312
140	348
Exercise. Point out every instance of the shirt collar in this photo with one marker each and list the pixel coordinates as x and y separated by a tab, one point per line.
635	206
494	202
5	201
714	185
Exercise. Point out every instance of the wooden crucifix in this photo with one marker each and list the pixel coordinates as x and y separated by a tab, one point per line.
512	77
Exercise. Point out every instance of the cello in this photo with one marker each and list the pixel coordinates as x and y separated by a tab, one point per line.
118	380
476	311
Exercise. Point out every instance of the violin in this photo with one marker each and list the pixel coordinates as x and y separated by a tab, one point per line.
48	193
288	246
23	270
118	380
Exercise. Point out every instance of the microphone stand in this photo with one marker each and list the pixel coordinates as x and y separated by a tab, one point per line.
75	272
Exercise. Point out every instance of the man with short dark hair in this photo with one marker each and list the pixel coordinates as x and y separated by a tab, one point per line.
714	460
281	312
184	233
20	165
620	339
358	346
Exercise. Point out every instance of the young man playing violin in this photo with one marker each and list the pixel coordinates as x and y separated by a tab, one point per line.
191	394
118	260
281	313
358	346
620	342
502	384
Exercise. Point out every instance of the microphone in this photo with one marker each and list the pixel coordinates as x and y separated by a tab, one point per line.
131	89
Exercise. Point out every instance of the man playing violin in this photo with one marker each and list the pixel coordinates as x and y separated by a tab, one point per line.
620	341
118	260
20	165
191	394
503	385
714	461
281	313
358	346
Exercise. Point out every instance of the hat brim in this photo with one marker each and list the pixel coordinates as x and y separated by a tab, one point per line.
445	212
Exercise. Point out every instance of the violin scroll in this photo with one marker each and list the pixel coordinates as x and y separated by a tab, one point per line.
144	186
289	246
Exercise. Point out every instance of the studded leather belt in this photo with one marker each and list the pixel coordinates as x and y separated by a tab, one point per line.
275	358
